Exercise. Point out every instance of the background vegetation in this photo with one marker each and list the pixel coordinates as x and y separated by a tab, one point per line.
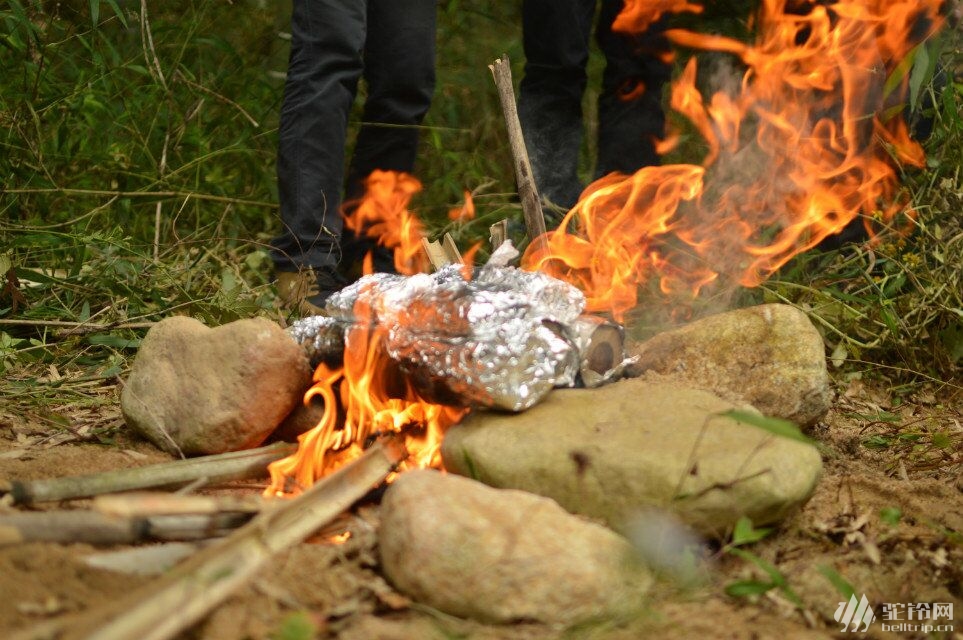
137	168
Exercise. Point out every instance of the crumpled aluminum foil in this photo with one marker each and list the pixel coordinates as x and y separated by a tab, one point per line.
501	339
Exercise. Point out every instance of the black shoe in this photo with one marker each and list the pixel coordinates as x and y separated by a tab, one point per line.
307	291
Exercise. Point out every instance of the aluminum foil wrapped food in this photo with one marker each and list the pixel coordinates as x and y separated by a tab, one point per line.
321	337
502	339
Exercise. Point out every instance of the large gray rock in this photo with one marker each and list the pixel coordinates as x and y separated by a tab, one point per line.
612	451
198	390
502	556
770	356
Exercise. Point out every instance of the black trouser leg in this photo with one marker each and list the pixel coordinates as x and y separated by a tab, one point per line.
556	38
327	38
399	73
631	117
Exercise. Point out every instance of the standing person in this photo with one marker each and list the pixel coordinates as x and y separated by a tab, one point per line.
630	116
334	43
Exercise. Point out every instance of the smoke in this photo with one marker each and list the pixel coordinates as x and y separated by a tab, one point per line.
669	547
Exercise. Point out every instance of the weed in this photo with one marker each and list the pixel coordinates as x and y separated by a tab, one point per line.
745	534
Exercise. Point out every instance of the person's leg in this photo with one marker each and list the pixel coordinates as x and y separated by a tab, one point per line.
556	41
631	116
399	72
327	38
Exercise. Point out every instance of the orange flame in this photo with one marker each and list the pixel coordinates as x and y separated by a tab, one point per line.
797	151
375	399
638	15
383	214
465	212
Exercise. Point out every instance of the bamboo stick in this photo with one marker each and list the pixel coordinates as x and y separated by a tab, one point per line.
601	345
527	190
166	607
96	528
142	504
236	465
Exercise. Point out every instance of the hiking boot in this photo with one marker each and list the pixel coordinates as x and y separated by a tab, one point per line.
305	292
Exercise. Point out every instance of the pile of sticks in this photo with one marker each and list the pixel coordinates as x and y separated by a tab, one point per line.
254	529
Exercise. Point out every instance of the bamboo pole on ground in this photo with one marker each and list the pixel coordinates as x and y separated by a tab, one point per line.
163	609
527	190
92	527
224	467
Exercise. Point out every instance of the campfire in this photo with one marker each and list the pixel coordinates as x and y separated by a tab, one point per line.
807	144
416	352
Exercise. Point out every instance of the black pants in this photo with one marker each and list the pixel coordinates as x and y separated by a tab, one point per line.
334	43
556	42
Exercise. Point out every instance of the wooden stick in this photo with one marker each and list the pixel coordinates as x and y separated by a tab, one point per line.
527	190
151	560
166	607
92	527
223	467
498	233
140	504
86	327
441	253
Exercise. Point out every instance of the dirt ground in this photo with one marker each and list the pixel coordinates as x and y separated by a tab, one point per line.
887	518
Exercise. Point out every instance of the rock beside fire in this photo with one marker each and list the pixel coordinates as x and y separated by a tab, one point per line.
634	445
770	356
198	390
500	555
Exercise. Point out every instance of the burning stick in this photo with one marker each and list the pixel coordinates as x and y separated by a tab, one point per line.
176	601
223	467
527	191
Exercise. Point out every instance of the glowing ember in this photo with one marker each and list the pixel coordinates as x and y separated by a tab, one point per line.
383	214
375	399
338	538
797	151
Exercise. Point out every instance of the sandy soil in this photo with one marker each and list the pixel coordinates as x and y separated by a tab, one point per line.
879	457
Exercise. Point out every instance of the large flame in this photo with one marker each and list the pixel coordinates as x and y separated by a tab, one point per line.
803	143
800	145
383	214
375	399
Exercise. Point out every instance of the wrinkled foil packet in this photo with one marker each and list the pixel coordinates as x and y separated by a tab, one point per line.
321	337
503	339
